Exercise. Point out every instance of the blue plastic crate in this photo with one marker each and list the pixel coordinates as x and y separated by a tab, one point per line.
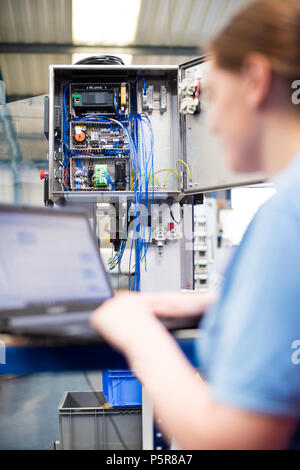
121	388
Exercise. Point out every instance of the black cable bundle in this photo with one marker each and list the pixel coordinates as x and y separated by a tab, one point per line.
101	60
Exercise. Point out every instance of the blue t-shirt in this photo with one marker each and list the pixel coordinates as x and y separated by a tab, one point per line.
250	349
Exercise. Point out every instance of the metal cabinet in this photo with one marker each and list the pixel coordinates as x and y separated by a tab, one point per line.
166	95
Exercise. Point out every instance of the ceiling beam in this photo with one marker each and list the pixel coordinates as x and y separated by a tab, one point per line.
52	48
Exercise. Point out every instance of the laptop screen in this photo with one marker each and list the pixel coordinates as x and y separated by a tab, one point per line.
48	259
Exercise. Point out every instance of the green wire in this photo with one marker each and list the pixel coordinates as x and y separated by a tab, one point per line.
169	170
187	167
165	182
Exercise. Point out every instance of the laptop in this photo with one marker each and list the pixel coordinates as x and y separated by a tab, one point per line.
51	274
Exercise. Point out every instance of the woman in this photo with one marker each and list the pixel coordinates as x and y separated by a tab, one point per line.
251	396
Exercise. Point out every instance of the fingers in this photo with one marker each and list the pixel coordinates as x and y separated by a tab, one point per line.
123	320
170	304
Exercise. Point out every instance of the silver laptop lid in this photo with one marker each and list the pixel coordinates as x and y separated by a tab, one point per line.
49	262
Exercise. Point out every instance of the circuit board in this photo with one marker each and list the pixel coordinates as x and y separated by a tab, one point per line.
96	129
99	173
97	136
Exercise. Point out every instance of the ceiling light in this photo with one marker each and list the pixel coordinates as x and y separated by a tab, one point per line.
105	22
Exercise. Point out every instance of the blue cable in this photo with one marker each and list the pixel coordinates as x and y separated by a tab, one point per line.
141	156
109	180
116	105
144	85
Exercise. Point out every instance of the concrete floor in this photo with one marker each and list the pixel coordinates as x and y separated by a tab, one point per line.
28	407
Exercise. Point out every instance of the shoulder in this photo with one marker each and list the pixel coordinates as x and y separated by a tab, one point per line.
267	265
286	199
282	208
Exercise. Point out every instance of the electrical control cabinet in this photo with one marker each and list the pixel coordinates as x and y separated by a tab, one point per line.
122	130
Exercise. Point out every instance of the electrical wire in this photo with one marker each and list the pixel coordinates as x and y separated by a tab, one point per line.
172	215
116	259
187	167
109	180
143	135
101	60
170	170
140	147
154	180
116	105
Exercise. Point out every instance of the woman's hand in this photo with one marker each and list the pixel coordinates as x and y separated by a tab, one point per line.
126	321
179	304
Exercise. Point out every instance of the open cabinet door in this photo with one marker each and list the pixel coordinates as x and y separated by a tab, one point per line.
200	148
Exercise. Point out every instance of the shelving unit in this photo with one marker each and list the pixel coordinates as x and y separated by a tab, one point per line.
205	242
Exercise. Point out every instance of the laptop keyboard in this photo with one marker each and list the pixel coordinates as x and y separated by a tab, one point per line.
66	324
